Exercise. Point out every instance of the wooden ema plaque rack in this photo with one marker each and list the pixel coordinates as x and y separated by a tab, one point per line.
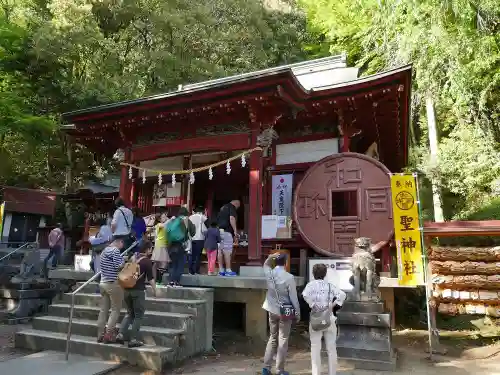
451	229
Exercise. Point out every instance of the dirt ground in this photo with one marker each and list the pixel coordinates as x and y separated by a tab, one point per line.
467	354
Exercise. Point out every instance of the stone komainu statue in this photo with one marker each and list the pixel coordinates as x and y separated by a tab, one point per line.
364	277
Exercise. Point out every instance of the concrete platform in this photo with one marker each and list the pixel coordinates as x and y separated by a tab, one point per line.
53	363
68	273
239	282
203	281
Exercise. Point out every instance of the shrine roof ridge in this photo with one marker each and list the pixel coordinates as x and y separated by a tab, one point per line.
193	87
291	71
364	79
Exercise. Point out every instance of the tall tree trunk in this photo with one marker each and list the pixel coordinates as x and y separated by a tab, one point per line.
69	167
433	142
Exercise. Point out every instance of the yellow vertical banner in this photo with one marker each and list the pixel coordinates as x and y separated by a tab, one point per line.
407	230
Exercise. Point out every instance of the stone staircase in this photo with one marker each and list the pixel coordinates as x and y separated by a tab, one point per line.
177	325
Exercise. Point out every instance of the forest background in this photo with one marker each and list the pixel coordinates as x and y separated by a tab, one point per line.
62	55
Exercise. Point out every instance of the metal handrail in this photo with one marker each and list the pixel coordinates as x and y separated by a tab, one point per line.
72	306
16	249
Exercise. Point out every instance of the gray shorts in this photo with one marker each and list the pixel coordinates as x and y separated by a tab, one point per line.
227	242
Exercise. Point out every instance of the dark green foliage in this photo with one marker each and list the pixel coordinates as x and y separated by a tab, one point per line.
61	55
454	46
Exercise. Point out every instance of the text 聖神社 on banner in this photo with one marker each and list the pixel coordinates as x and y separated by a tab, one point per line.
407	230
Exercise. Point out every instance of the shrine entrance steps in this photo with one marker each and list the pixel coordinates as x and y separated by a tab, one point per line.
177	325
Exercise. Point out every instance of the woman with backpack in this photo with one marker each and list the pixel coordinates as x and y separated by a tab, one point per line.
133	279
179	229
324	299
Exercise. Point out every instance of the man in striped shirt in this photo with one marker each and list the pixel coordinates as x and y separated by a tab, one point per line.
111	263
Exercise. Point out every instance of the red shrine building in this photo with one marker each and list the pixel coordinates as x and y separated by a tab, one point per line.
320	183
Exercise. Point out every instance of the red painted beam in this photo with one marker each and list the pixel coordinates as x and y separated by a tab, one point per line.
230	142
462	228
255	202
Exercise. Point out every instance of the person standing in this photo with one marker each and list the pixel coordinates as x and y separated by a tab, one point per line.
138	226
178	231
160	255
322	296
212	242
56	246
99	242
111	292
135	298
121	225
227	223
198	241
281	290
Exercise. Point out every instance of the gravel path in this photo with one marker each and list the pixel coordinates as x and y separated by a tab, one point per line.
298	364
412	359
7	350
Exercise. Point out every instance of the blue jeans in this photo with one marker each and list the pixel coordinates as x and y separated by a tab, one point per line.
177	261
55	254
195	257
135	301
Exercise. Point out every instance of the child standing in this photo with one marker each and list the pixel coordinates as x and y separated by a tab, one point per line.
212	242
160	254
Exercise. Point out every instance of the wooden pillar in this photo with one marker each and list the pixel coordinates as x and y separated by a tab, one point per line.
255	195
303	263
184	179
387	295
125	182
134	189
69	169
435	343
133	192
386	258
189	187
345	143
209	203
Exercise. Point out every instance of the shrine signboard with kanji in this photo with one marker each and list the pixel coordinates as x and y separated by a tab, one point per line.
407	230
340	198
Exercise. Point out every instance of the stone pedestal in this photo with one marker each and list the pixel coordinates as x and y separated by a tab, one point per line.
365	336
25	297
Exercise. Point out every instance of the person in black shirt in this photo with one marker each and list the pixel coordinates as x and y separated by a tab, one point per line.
135	298
229	236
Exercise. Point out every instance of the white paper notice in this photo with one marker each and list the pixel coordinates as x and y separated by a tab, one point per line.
338	271
82	263
282	221
269	226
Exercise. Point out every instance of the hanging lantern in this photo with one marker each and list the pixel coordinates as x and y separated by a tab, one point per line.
191	178
160	179
228	167
130	172
243	161
143	176
173	180
210	173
